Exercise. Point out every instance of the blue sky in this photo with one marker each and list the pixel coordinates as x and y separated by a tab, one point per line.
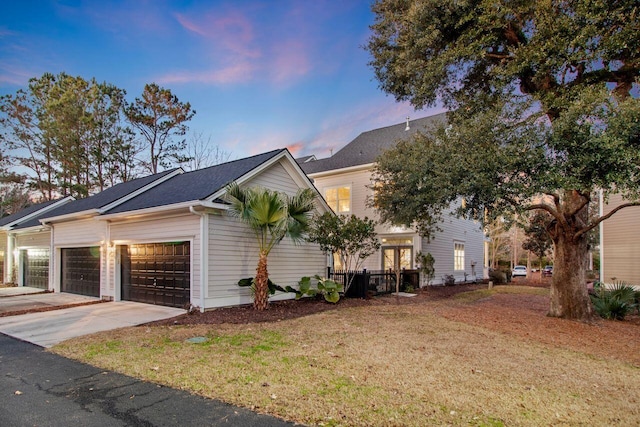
260	74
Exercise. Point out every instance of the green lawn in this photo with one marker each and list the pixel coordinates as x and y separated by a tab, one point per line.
380	365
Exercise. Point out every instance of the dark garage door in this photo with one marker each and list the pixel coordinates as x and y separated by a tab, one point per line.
36	268
81	271
156	273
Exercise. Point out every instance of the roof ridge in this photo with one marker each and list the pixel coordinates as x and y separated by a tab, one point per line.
277	150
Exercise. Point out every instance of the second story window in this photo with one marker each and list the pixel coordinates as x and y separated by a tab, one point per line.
339	199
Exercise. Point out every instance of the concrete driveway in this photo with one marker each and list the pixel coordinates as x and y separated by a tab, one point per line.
51	327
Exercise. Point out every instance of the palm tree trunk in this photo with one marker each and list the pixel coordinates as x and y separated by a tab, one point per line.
261	297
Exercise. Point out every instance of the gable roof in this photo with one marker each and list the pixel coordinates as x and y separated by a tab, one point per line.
24	214
367	146
195	185
100	200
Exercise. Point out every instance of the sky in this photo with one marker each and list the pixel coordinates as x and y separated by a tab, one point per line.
261	75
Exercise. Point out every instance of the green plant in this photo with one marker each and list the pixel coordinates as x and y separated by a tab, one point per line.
272	216
328	288
615	302
251	282
426	266
448	279
497	276
350	238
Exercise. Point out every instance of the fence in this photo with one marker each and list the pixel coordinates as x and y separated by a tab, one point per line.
372	282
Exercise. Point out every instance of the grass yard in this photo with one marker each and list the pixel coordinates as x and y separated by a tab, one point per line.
464	360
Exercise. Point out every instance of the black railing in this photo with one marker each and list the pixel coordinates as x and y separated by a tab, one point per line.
372	282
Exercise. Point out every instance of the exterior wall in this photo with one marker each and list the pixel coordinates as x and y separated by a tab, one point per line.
620	244
441	246
35	239
167	228
233	250
456	230
233	255
275	178
78	234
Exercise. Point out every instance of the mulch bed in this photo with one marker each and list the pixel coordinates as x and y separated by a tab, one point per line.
520	315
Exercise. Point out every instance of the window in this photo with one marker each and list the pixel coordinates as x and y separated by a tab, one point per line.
458	256
339	199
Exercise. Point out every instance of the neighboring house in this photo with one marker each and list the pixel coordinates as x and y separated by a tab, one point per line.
344	180
168	240
29	245
620	243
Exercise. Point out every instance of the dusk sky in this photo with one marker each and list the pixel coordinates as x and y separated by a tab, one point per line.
260	74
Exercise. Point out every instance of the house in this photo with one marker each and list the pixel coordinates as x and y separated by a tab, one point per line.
167	239
344	180
619	243
28	243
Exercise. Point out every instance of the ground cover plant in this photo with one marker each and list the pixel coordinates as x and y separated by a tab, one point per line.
483	357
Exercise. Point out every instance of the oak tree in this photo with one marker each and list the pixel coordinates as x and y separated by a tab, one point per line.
543	114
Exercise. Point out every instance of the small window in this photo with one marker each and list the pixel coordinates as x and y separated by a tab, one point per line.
458	256
339	199
337	262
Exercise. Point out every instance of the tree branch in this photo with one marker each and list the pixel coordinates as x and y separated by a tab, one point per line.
605	217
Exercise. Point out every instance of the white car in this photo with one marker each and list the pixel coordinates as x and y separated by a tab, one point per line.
519	270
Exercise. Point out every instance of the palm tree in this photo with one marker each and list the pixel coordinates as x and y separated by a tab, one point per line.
272	216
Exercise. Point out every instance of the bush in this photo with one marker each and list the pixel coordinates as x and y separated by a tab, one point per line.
497	276
616	302
329	289
448	280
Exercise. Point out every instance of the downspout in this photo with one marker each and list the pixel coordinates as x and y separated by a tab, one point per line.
11	258
204	253
601	234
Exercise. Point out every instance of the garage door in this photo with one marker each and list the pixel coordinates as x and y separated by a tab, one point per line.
156	273
35	264
80	271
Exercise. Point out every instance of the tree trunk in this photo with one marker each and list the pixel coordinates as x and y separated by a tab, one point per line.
261	295
569	296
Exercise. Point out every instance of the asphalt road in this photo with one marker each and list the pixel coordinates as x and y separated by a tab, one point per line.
38	388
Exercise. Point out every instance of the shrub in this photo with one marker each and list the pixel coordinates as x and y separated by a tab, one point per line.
616	302
449	280
329	289
497	276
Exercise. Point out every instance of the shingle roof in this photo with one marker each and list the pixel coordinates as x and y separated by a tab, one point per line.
367	146
195	185
99	200
26	211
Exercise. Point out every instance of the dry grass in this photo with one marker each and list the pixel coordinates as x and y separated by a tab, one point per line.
380	365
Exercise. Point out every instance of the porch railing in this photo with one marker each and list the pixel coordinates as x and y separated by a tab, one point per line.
371	282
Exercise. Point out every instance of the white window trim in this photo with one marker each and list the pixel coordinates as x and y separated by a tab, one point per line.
324	194
455	256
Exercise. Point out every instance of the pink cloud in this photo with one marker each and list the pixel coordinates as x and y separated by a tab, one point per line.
295	148
290	61
238	73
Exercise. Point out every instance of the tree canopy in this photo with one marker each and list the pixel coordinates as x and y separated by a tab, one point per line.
543	113
160	116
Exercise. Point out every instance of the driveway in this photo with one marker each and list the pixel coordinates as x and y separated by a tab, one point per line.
51	327
39	388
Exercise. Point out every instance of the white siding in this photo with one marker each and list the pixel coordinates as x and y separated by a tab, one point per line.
233	255
441	246
233	250
36	239
359	182
275	178
621	244
184	227
456	230
80	233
